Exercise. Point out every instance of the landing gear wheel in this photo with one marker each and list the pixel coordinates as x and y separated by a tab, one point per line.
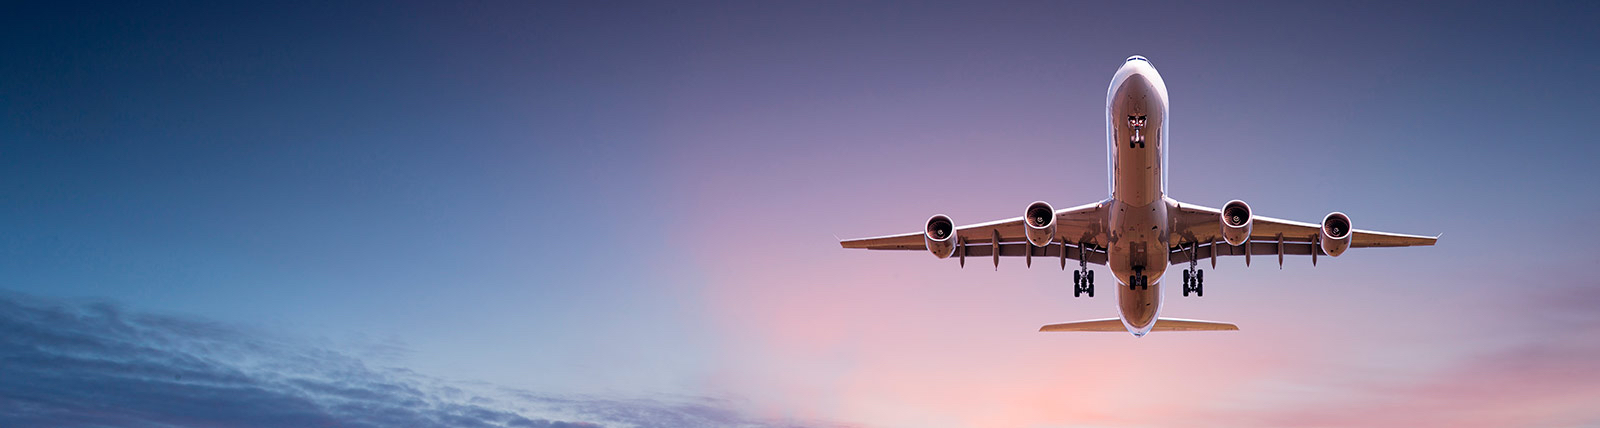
1136	280
1081	284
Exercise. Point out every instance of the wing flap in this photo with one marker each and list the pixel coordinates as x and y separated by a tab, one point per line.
1021	249
1255	248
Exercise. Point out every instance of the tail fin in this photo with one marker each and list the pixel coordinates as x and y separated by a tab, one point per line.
1162	324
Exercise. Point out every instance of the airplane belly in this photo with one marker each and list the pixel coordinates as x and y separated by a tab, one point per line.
1136	110
1138	239
1135	134
1140	307
1138	246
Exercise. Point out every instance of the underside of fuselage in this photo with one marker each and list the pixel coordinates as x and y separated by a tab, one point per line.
1137	247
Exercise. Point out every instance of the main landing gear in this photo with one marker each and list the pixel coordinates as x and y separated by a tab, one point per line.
1194	282
1082	283
1082	280
1194	279
1138	280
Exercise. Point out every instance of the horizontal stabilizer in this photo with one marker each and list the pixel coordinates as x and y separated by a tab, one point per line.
1162	324
1107	324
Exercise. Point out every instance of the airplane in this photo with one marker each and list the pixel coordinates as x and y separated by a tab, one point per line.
1138	230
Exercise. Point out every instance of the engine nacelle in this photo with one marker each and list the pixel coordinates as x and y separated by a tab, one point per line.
1236	222
1336	234
940	236
1039	223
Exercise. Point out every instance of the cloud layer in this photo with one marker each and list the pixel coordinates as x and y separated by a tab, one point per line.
96	364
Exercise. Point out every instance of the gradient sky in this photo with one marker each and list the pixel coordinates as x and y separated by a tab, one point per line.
625	214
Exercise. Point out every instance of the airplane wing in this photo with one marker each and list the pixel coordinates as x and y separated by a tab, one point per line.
1201	227
1006	238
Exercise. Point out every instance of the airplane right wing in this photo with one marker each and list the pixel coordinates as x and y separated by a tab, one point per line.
1078	232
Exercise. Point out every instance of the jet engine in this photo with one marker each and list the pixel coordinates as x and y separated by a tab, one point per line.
1336	233
1040	223
940	236
1236	222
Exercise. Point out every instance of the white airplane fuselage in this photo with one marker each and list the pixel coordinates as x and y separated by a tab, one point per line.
1137	229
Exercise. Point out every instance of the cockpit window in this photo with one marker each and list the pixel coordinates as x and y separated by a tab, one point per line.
1137	58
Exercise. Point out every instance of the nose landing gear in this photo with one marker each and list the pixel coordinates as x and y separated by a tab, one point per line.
1136	123
1138	280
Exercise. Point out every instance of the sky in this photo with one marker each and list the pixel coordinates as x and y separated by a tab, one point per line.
579	214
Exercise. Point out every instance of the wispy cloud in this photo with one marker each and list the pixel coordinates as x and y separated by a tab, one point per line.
97	364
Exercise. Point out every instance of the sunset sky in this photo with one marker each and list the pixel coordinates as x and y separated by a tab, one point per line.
569	214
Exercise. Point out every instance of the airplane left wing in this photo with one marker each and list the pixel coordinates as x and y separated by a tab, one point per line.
1201	227
1006	238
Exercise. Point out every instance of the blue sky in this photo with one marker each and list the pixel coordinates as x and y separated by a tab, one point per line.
639	201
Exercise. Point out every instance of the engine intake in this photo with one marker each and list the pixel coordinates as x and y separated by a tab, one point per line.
1336	234
940	236
1040	223
1236	222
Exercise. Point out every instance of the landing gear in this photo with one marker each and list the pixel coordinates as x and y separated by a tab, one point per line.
1083	280
1138	280
1136	123
1082	283
1194	281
